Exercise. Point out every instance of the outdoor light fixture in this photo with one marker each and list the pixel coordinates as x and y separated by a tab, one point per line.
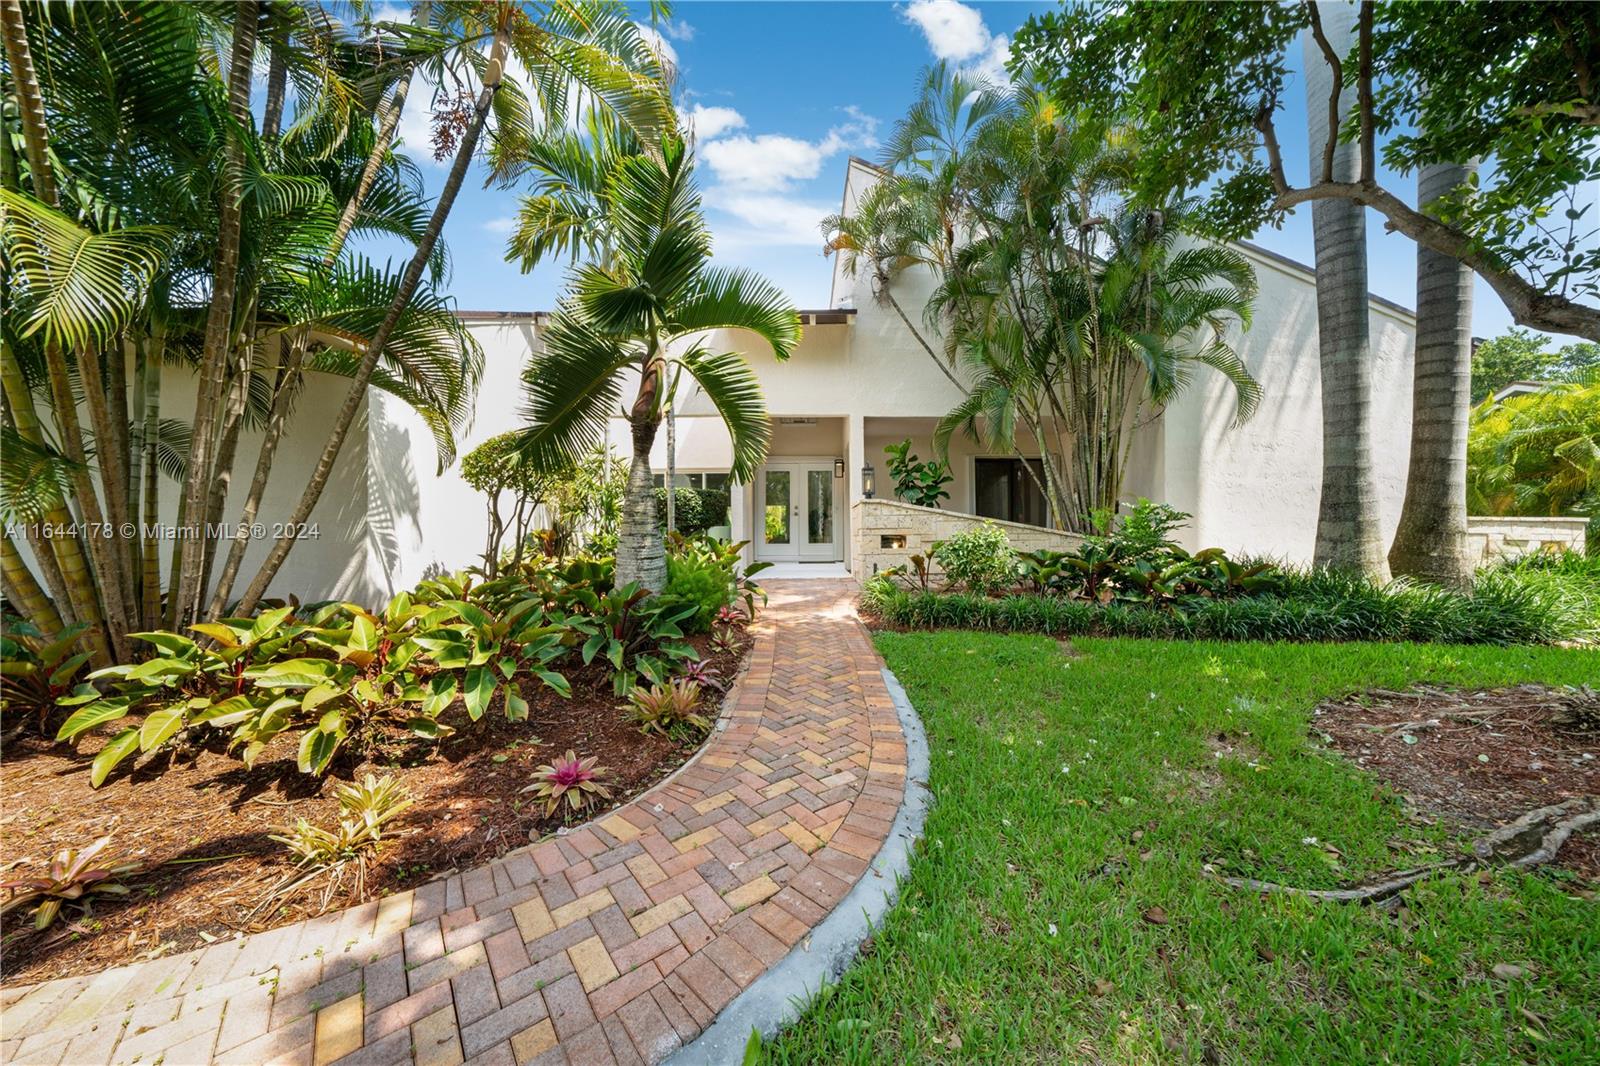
868	475
838	468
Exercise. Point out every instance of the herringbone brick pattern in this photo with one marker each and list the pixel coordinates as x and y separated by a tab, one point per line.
612	944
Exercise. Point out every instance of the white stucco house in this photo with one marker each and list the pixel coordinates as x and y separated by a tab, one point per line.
857	382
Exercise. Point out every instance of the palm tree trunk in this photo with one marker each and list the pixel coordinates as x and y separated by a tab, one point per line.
408	286
99	602
641	557
1431	541
1349	536
277	419
219	326
289	381
388	122
76	593
150	572
24	591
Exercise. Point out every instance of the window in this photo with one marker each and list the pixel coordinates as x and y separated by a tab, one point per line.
693	480
1004	490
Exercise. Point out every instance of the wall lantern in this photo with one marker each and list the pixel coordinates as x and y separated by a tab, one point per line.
868	475
838	468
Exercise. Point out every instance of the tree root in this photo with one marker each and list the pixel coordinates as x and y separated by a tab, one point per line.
1532	840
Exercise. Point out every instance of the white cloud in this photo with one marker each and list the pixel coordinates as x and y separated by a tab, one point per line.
711	122
658	40
504	224
773	161
767	218
956	32
677	29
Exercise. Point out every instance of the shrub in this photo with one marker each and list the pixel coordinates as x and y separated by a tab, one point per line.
1305	605
978	559
577	781
696	510
701	578
36	671
916	482
71	877
672	709
703	674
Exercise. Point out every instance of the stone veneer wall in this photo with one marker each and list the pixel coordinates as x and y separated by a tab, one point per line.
1495	537
871	520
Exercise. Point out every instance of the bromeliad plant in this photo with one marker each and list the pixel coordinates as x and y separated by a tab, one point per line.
364	811
577	782
670	710
72	877
36	670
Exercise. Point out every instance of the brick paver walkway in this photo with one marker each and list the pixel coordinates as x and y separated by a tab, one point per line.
615	943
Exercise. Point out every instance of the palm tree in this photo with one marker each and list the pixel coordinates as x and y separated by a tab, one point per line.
1349	536
642	317
1431	541
590	46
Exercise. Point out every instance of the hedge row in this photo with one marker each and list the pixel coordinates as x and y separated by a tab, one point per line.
1503	608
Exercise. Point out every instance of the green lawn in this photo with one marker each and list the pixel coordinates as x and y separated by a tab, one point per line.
1021	934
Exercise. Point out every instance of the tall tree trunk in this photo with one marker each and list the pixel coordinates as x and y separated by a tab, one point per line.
150	569
408	287
96	597
219	326
277	82
1349	536
289	383
388	122
1431	542
641	556
23	590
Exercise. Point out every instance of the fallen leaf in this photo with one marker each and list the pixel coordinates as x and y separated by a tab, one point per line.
1156	916
1507	971
1266	953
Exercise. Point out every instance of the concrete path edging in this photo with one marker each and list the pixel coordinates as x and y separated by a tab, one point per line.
782	994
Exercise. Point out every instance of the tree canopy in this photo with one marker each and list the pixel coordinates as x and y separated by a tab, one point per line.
1512	84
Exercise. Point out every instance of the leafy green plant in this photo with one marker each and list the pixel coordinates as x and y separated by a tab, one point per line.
694	510
640	635
364	811
979	559
700	574
71	877
334	677
36	670
671	709
577	782
921	483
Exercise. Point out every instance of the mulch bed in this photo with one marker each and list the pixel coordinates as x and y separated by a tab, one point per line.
1481	757
200	822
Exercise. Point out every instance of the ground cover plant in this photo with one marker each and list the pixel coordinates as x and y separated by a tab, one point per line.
217	764
1132	579
1066	900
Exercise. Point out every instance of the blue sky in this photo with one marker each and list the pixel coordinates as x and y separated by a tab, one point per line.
782	94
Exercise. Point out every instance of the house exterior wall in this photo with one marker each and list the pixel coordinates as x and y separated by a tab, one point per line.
328	565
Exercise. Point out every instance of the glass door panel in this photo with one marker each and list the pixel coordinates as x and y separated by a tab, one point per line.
819	506
776	511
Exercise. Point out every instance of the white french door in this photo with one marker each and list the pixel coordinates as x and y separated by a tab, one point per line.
796	516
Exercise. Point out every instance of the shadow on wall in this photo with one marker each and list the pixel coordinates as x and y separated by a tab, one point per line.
394	498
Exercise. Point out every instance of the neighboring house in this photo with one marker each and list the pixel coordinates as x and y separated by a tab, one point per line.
858	381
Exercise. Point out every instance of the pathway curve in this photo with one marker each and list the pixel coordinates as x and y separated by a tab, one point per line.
615	943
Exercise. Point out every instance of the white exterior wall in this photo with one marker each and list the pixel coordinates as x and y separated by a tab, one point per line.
330	565
1255	488
868	382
